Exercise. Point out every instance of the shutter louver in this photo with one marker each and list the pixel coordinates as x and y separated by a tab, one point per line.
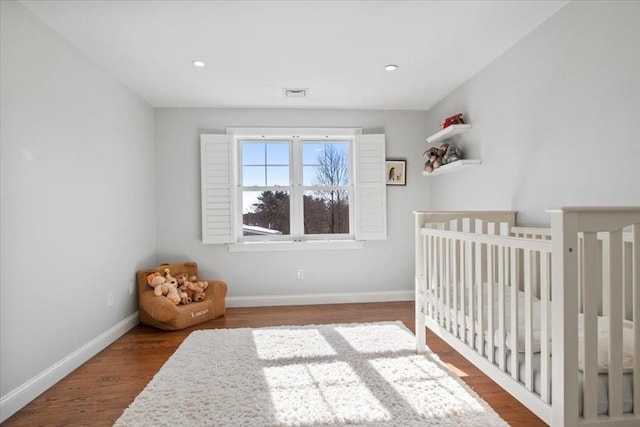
371	188
217	196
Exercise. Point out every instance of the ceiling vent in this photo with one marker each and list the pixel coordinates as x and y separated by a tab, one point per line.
295	93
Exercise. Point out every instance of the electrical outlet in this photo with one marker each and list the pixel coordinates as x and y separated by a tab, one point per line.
130	288
110	299
300	274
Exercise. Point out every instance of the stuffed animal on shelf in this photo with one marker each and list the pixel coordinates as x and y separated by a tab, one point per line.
453	153
436	157
433	160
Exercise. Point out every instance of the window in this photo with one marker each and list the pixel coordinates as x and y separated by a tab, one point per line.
295	189
292	185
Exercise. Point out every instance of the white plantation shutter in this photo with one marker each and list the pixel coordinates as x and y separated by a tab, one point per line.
371	187
216	170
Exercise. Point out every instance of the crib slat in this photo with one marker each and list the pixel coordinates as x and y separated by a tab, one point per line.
501	313
545	361
467	307
590	270
434	278
504	231
479	288
528	320
614	263
491	279
635	279
491	229
455	284
447	284
434	275
514	313
606	275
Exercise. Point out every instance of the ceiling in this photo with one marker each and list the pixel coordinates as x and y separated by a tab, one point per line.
253	49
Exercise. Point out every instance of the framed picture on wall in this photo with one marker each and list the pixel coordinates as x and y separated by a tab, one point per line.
396	172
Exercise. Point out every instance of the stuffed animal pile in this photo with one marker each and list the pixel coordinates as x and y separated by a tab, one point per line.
183	289
438	156
192	286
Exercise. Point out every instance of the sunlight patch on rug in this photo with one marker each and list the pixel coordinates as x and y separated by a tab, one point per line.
273	344
322	393
318	375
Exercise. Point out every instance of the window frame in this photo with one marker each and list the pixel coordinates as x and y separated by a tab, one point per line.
296	187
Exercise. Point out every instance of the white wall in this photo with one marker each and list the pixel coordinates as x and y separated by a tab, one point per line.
78	199
556	119
385	266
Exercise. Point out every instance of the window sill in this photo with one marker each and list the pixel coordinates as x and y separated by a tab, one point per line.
295	246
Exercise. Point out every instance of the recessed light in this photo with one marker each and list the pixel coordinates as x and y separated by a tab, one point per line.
390	67
199	64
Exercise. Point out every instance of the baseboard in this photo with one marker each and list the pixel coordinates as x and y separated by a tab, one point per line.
16	399
336	298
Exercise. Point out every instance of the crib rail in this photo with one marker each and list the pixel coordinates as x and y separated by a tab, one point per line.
486	286
471	276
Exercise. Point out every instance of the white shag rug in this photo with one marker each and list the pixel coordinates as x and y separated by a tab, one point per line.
322	375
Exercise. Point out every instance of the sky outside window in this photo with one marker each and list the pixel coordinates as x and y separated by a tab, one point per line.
265	164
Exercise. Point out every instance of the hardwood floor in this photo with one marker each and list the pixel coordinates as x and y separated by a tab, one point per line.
97	392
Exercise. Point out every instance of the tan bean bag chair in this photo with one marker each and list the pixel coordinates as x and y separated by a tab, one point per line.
158	311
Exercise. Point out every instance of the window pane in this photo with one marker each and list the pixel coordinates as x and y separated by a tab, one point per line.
326	212
331	161
310	175
278	154
265	163
310	152
253	175
265	213
278	175
253	153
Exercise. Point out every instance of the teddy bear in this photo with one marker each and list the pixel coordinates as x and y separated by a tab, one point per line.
431	155
173	294
169	288
197	288
435	157
186	296
453	153
155	280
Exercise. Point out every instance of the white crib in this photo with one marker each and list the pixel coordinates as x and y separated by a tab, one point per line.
551	315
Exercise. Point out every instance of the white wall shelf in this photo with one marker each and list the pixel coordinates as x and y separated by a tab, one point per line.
447	133
443	135
453	167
